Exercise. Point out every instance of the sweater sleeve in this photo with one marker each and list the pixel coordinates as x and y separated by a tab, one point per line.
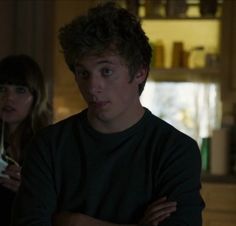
36	198
178	179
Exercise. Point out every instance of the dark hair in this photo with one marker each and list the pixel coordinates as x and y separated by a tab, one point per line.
107	27
23	70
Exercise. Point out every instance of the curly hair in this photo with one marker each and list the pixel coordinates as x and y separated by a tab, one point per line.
107	27
23	70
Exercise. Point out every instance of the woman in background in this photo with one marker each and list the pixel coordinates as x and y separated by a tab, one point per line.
24	109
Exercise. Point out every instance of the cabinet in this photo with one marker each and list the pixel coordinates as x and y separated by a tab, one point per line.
220	202
224	31
191	30
218	31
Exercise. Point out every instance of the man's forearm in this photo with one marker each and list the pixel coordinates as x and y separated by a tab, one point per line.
78	219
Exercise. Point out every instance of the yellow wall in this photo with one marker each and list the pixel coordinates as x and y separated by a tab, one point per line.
67	99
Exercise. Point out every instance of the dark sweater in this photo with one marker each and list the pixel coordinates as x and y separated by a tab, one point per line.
112	177
6	200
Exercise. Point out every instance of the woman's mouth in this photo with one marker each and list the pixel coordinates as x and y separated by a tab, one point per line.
8	109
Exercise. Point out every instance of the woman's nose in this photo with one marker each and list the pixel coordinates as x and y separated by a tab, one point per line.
7	95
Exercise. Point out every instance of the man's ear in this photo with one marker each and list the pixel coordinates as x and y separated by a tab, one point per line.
141	75
76	77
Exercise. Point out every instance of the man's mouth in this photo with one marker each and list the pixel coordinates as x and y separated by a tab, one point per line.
98	104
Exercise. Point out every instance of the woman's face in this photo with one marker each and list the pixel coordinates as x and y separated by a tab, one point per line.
15	104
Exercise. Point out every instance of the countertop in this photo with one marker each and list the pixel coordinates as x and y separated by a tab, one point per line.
209	178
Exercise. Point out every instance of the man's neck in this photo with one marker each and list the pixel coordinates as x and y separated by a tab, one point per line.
117	124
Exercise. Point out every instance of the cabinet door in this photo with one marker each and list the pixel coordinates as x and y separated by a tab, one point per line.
228	51
220	203
219	197
214	218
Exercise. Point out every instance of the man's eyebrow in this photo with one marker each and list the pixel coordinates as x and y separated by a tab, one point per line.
98	62
105	61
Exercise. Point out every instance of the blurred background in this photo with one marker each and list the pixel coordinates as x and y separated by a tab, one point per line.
192	81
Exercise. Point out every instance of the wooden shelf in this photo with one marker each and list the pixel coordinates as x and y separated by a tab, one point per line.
185	74
153	10
179	18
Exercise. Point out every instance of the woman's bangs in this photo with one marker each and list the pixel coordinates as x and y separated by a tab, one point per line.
13	79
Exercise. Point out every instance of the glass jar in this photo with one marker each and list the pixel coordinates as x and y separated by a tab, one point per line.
197	57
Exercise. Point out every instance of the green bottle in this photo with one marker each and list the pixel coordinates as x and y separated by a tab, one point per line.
205	153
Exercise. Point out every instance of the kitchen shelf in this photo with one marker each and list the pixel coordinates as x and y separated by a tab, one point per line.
158	11
179	18
184	74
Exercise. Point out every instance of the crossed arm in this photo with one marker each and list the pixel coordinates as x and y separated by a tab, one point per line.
178	179
155	213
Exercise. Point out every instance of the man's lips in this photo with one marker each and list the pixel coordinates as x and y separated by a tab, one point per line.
98	104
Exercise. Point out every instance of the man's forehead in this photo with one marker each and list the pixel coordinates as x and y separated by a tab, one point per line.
105	57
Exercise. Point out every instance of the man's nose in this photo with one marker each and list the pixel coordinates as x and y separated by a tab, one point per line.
95	84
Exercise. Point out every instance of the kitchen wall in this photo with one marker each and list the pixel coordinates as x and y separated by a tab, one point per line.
67	99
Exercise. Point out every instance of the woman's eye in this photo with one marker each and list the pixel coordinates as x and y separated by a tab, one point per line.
21	89
2	89
107	72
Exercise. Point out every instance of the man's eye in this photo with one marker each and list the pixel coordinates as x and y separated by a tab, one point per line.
107	72
21	89
82	74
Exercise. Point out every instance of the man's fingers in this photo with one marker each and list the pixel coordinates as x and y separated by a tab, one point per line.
158	207
156	221
158	201
160	213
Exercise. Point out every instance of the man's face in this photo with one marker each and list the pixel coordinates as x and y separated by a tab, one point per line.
104	82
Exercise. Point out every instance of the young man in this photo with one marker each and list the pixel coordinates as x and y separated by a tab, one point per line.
114	163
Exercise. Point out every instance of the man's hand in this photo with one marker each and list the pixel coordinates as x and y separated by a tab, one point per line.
13	180
158	211
63	219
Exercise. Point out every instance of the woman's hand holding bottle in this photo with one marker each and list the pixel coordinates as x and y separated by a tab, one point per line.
13	180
